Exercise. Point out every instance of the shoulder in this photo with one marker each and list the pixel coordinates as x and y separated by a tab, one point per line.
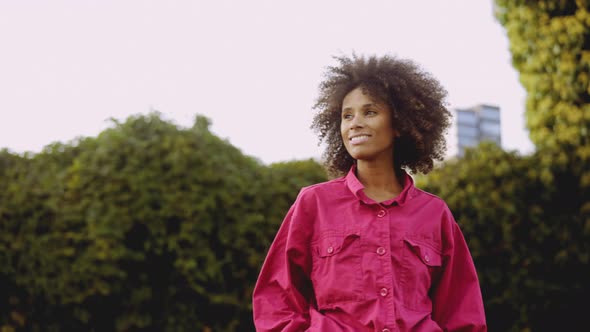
322	188
427	198
434	207
441	218
313	199
320	194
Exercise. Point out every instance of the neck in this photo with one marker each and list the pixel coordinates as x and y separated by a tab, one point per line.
379	179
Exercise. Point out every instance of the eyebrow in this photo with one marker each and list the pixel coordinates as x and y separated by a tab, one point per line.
364	106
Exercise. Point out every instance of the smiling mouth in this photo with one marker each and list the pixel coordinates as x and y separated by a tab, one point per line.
359	139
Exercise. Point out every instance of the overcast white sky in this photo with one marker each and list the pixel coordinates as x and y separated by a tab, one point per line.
252	66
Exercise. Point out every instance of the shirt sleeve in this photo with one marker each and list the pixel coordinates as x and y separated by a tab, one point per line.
457	300
283	292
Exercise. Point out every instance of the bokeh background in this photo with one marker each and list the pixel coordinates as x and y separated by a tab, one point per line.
252	67
158	219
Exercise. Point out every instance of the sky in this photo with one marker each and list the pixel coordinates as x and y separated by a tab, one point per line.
252	67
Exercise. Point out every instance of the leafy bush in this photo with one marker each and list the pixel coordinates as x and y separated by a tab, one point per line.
530	243
146	227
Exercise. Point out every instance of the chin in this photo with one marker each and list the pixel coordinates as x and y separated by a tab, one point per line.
360	156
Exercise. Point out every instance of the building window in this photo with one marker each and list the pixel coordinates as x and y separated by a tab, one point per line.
467	131
477	124
467	118
490	113
465	141
490	128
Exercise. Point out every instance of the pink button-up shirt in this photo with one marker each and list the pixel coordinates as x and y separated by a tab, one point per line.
343	262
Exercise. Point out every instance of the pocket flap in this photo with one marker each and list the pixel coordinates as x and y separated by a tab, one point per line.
428	255
330	244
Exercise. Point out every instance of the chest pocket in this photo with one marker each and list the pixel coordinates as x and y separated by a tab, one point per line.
337	273
421	263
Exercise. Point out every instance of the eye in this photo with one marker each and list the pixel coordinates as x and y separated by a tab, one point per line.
370	112
346	116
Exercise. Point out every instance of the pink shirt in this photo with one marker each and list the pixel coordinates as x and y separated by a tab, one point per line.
343	262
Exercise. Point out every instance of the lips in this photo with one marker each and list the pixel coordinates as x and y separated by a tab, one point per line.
358	139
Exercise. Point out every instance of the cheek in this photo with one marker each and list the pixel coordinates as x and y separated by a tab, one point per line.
345	144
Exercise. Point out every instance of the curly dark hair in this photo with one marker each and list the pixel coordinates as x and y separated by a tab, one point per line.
415	98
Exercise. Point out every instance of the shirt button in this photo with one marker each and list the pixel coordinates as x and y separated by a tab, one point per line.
381	213
383	291
330	250
426	258
380	251
385	330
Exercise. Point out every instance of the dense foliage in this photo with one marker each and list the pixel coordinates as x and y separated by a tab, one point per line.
147	227
530	245
550	46
152	227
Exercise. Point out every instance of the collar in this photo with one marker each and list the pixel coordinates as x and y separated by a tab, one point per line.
356	187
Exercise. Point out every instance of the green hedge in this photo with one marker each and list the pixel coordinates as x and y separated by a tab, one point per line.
530	243
146	227
152	227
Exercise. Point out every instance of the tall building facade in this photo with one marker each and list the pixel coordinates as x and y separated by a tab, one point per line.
472	126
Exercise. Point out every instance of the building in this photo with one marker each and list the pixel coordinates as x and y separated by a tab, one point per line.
473	125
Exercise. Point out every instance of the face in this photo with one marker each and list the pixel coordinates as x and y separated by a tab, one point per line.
366	127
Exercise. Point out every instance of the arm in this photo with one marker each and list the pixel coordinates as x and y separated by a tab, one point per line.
283	291
457	300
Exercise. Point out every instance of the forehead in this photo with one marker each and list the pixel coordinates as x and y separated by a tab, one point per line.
359	96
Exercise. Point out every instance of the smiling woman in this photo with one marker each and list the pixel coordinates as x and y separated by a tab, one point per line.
369	136
415	100
368	251
366	127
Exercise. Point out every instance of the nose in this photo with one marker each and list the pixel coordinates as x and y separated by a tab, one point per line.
356	122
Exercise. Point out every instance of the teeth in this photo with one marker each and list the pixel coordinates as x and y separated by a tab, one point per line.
358	138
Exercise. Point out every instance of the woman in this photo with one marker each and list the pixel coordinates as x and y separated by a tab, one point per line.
368	251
